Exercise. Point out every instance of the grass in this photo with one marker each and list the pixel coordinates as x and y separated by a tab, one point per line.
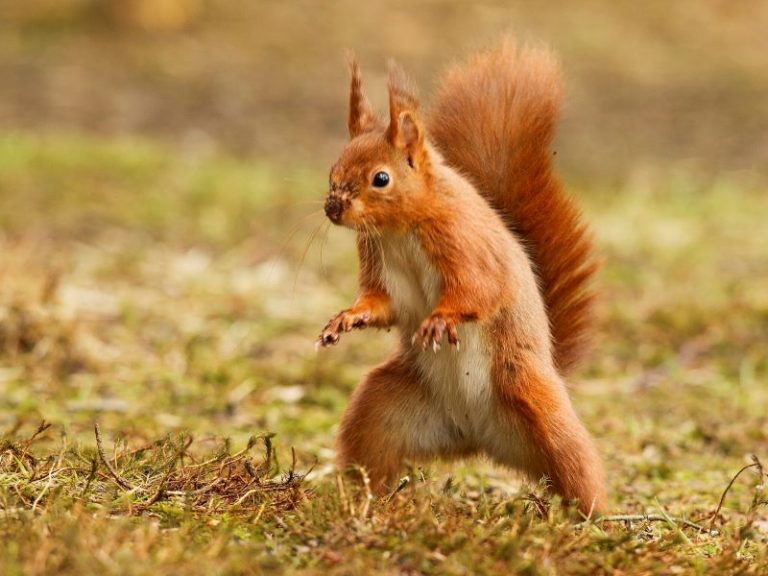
172	298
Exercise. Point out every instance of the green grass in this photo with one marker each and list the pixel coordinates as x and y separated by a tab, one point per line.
174	298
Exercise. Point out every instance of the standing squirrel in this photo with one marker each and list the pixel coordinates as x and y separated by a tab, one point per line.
469	246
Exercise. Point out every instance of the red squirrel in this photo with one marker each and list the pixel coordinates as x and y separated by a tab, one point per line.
468	245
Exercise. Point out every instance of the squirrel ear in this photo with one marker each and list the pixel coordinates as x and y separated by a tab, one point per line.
361	116
405	130
410	136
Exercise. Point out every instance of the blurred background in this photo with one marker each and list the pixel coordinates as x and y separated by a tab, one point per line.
164	263
667	84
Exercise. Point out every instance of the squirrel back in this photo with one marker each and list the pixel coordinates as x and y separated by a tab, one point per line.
493	120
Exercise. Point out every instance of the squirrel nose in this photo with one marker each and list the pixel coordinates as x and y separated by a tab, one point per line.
333	208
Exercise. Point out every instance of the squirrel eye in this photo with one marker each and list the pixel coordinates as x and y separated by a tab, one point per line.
380	179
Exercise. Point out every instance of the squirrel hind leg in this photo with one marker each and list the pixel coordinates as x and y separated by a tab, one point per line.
556	443
389	419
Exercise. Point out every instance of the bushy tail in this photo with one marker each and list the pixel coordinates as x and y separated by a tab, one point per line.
494	119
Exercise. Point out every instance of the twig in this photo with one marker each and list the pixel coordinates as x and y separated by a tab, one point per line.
647	518
755	464
293	464
100	447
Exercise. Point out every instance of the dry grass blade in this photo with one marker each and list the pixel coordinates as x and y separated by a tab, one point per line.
647	518
100	447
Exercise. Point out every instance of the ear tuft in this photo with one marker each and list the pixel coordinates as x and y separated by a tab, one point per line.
361	116
405	129
402	96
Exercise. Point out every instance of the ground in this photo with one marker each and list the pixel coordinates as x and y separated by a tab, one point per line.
165	267
183	325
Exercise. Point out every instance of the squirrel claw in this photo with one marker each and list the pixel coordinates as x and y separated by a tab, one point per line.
327	338
432	331
344	321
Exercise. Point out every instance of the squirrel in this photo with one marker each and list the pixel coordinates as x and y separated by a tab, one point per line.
469	246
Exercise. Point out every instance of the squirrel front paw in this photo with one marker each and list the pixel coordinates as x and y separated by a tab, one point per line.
344	321
433	329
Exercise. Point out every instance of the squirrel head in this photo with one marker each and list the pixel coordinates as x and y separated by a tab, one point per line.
384	170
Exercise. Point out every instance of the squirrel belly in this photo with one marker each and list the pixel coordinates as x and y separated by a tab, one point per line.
460	380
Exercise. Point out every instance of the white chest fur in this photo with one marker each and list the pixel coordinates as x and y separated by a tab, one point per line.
459	381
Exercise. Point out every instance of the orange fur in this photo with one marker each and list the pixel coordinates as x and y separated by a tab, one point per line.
381	425
494	119
438	260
